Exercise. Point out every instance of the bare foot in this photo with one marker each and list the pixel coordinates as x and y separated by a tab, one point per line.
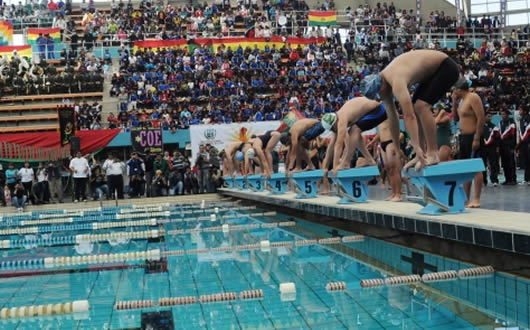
389	198
432	159
473	204
411	163
296	169
396	198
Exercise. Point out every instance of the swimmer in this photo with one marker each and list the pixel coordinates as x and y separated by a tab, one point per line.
232	155
443	132
302	133
392	160
356	116
263	146
435	73
470	113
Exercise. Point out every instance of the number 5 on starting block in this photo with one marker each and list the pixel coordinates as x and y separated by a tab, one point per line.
441	185
307	183
351	183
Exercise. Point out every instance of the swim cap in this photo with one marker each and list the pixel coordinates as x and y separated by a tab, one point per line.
251	153
285	139
328	120
240	156
370	85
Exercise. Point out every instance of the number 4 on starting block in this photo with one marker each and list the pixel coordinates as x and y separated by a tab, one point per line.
441	185
352	183
307	183
277	184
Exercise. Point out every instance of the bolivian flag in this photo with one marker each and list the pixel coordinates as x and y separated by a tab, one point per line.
33	34
322	18
156	44
6	33
23	51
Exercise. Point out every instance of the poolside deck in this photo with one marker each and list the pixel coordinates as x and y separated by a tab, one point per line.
507	231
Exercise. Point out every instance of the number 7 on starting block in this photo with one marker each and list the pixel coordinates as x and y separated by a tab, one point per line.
441	185
352	183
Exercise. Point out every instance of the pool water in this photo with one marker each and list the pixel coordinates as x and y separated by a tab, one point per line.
497	301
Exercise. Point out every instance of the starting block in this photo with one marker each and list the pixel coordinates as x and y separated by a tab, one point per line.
277	184
351	183
240	182
306	183
256	182
229	182
440	185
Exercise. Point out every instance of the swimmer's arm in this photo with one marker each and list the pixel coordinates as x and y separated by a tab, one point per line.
454	107
264	164
409	117
373	141
229	163
442	118
476	104
393	117
341	141
293	148
329	154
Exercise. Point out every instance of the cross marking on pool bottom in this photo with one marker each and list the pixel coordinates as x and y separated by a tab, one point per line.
417	260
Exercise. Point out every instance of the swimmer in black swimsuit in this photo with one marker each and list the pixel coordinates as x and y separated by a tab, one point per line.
263	146
302	133
356	116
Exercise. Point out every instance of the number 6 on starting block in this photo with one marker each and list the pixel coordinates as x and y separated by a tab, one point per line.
256	182
277	184
307	183
351	183
441	185
240	182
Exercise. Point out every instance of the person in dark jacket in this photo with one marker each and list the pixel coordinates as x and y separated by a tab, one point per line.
508	142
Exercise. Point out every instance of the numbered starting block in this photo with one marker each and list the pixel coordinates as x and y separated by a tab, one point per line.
306	183
277	184
440	185
229	182
240	182
352	183
256	182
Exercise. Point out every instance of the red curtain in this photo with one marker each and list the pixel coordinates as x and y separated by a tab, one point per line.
90	140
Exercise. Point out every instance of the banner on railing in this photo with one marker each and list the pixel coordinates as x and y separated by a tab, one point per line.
234	43
33	35
14	151
220	135
145	140
155	43
6	33
322	18
66	115
23	51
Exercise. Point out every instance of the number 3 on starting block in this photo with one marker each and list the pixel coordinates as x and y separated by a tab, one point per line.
441	185
255	182
351	183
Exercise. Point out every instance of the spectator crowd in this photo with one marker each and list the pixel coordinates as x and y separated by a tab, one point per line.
83	178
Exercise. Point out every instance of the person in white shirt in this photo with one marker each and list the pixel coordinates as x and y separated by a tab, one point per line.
42	191
114	171
80	172
27	176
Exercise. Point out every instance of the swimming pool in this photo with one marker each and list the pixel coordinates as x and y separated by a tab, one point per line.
122	254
